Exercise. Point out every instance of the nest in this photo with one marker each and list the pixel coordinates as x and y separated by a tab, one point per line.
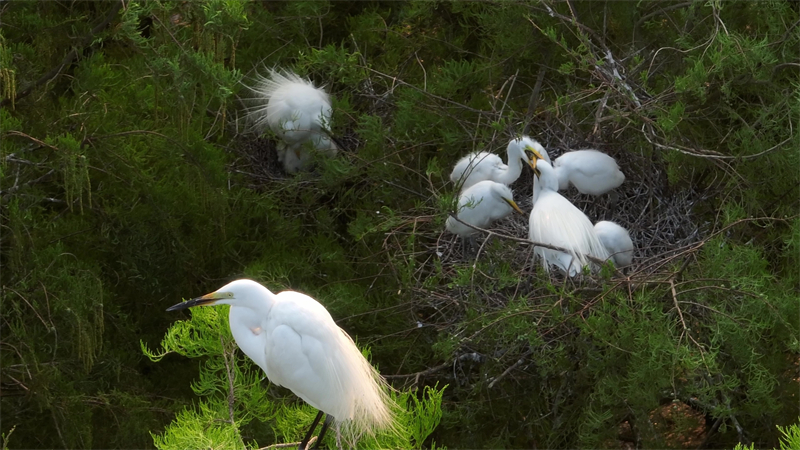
660	219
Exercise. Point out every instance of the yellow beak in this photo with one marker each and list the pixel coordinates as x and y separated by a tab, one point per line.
513	204
206	300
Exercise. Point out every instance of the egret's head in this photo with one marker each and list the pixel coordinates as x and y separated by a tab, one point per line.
532	150
239	292
504	193
547	175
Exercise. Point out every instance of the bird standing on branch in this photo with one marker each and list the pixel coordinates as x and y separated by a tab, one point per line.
293	338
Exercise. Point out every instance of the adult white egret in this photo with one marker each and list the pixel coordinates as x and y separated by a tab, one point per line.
590	171
480	205
297	112
296	342
557	222
617	241
480	166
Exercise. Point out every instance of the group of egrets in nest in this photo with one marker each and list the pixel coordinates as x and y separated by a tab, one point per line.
294	339
485	196
299	114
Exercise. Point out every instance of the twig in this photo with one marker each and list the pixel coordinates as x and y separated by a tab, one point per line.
290	444
490	233
231	375
510	368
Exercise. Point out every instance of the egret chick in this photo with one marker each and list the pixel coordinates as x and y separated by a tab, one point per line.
297	112
617	241
557	222
480	205
480	166
590	171
298	345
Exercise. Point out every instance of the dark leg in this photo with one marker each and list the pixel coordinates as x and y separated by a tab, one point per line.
304	442
325	426
470	245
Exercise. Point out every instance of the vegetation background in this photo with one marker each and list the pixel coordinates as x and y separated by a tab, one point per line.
128	184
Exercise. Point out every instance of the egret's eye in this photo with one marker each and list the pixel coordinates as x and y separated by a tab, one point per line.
533	153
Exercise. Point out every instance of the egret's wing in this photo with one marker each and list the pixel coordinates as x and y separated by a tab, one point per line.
556	221
617	240
319	362
587	162
590	171
298	330
476	167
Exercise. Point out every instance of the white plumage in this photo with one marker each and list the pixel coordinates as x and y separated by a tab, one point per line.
481	166
298	345
617	241
555	221
590	171
297	112
480	205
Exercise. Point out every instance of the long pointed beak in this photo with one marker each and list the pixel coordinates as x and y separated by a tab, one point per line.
206	300
532	162
533	157
532	153
513	204
536	170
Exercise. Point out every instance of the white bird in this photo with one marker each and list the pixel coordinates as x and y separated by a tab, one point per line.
617	241
537	185
482	166
590	171
296	342
557	222
480	205
297	112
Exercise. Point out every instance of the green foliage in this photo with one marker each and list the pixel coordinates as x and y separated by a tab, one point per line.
232	394
126	185
789	440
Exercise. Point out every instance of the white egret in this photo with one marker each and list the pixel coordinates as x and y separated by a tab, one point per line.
481	166
617	241
297	112
590	171
480	205
557	222
296	342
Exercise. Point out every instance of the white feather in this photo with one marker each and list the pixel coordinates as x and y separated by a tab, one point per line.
480	205
537	185
556	221
617	241
481	166
294	339
590	171
297	112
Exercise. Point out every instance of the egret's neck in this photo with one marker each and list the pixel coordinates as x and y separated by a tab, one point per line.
548	178
247	319
252	310
514	163
537	189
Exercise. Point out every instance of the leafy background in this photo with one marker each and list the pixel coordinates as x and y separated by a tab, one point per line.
128	184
